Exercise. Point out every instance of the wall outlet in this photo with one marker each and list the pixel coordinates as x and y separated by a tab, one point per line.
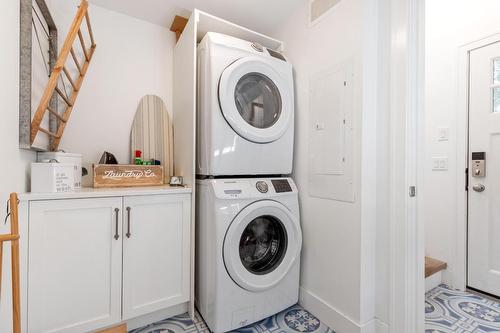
440	163
443	133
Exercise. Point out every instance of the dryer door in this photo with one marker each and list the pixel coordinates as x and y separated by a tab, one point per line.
256	100
261	245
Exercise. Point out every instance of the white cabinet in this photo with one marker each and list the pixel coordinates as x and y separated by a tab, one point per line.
94	262
74	275
155	253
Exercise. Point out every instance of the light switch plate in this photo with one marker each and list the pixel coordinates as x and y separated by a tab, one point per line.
444	134
440	163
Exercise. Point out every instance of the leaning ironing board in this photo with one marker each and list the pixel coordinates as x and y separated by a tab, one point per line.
13	238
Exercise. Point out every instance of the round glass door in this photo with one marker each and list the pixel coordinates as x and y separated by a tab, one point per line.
256	100
261	245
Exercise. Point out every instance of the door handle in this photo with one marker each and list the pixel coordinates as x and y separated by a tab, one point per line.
128	222
479	187
117	210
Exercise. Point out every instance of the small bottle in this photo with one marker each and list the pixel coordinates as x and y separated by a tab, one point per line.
138	159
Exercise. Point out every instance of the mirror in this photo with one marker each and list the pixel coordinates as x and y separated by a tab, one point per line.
152	134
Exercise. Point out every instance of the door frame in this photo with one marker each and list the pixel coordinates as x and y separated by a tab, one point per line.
406	133
460	278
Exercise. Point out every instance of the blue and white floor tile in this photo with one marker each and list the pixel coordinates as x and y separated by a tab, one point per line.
292	320
448	310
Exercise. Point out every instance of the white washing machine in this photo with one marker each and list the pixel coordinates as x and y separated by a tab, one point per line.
245	109
247	250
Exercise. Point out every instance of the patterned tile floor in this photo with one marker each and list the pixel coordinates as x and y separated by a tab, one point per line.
292	320
448	310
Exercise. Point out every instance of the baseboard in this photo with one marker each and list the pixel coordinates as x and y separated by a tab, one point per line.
327	314
335	319
433	281
374	326
381	327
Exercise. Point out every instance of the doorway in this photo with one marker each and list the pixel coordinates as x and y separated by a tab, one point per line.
483	197
458	191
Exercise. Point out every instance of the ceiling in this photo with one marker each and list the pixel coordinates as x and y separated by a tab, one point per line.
259	15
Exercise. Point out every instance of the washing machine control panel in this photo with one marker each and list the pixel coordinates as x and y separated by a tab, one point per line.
262	186
281	185
252	188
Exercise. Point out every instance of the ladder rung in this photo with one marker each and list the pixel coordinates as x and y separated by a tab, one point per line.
82	42
75	59
89	27
68	75
8	237
55	113
60	93
43	130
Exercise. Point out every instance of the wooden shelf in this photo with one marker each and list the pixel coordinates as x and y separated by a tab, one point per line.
432	266
178	25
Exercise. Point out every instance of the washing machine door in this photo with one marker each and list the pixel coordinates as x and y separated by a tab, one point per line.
256	100
261	245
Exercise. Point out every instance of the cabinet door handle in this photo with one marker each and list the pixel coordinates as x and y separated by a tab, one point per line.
117	210
128	222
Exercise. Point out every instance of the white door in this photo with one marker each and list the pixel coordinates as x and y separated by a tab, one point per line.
75	254
256	100
156	256
261	245
484	185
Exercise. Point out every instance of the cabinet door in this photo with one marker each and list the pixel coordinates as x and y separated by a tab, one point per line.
156	249
74	276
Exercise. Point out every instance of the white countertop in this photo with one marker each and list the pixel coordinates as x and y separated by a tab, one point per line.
90	192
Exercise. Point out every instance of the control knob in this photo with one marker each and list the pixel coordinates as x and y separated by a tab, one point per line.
262	186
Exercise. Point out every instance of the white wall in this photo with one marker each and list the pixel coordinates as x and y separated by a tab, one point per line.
338	274
449	25
15	164
133	58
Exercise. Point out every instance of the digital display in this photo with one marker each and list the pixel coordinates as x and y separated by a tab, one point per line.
478	155
281	185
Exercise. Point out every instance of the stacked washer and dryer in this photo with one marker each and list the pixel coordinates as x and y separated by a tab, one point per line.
248	235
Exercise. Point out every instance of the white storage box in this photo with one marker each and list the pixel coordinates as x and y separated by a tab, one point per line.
62	157
52	177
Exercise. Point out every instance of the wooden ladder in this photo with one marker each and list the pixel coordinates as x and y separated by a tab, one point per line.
60	66
13	238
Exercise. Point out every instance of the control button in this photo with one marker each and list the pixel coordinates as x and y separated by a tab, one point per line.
257	47
262	187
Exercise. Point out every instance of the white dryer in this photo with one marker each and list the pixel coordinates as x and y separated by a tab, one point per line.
245	109
247	250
